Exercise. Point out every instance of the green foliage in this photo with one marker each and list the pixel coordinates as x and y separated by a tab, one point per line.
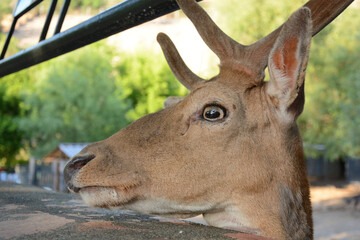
332	111
13	46
92	4
10	110
250	20
73	100
6	7
89	94
88	3
147	81
10	140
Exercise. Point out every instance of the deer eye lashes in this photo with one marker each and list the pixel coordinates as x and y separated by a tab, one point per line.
213	112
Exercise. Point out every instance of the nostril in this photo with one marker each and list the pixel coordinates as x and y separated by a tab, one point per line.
73	166
80	161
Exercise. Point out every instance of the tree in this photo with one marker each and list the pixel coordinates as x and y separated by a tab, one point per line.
74	100
10	135
331	116
251	20
147	81
6	7
89	94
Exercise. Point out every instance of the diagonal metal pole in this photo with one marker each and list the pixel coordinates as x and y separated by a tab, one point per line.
7	41
48	20
123	16
62	15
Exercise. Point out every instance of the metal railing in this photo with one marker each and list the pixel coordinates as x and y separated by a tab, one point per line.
125	15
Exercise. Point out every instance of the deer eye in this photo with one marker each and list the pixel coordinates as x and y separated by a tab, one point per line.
213	113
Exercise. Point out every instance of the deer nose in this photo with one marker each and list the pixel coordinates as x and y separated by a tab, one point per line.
72	167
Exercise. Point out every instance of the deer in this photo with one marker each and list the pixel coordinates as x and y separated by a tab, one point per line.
231	149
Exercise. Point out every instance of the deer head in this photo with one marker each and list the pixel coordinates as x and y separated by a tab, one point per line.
230	150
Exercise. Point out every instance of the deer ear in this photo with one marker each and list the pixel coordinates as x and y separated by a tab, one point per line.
287	64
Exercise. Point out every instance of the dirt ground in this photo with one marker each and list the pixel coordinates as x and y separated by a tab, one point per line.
336	211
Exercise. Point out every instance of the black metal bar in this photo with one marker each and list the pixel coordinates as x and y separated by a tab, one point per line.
31	6
48	20
16	16
114	20
61	19
8	38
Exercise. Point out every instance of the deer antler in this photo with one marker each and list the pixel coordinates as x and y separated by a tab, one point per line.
220	43
233	53
177	65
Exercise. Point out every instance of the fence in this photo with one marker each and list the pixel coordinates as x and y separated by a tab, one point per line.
41	175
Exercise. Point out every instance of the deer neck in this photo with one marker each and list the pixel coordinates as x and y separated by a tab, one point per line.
278	204
292	186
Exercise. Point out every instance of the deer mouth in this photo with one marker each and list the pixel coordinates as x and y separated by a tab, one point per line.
95	191
88	188
106	197
77	190
72	188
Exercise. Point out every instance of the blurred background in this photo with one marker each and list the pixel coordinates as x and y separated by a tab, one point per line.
50	111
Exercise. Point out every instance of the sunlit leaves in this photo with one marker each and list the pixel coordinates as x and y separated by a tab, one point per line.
73	100
147	81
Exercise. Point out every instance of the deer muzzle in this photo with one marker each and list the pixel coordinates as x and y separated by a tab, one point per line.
73	167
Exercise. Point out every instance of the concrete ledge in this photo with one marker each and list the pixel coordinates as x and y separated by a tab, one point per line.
33	213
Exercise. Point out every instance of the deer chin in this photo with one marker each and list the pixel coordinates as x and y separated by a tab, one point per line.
231	218
106	197
169	208
118	198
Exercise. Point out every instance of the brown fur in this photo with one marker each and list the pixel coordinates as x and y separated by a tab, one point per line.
244	171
